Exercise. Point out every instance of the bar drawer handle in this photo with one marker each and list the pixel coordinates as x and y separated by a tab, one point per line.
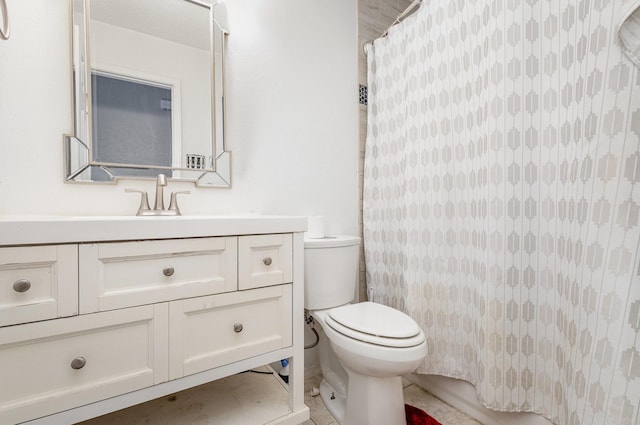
21	285
267	261
78	363
237	327
168	271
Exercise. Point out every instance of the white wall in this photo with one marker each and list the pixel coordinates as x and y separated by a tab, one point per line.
291	103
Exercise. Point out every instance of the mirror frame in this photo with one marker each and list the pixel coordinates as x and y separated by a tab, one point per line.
78	153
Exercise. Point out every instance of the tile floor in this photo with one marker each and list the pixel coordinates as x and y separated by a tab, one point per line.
413	395
202	405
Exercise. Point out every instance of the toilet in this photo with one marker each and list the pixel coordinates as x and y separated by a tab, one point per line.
364	348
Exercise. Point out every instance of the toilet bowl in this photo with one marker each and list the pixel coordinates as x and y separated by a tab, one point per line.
374	363
374	344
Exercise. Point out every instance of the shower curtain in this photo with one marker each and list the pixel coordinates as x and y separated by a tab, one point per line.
502	199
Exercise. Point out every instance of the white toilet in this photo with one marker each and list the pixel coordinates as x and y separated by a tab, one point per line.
371	345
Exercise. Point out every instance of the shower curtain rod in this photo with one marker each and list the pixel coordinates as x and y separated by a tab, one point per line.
414	5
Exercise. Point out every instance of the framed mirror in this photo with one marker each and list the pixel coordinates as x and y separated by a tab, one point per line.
148	92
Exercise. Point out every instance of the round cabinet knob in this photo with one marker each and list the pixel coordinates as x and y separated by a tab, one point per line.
78	363
237	327
168	271
267	261
21	285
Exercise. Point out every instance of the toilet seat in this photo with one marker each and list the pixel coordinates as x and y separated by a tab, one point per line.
375	324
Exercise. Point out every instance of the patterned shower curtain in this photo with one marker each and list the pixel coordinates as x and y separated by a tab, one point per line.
502	199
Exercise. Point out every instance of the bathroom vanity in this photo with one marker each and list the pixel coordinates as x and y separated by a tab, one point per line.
102	313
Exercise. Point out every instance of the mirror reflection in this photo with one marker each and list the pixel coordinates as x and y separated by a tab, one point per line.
148	89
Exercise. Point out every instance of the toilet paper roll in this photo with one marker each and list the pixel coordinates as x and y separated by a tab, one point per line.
315	227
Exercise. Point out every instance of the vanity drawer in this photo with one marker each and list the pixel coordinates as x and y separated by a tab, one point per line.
38	283
207	332
126	274
41	365
264	260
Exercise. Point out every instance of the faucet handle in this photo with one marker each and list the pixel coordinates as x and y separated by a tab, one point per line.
173	203
144	200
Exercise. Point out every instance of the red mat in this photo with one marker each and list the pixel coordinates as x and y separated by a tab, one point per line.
417	416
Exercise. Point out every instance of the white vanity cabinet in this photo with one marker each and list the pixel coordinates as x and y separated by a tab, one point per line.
125	274
208	332
147	317
264	260
38	283
60	364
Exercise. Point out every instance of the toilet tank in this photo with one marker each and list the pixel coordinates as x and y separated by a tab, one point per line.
330	271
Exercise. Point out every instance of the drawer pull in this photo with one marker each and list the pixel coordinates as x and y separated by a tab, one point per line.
78	363
237	327
267	261
168	271
21	285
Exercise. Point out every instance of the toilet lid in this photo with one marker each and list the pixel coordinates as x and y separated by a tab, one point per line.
376	324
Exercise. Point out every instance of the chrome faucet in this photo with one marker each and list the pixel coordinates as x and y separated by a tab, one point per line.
158	208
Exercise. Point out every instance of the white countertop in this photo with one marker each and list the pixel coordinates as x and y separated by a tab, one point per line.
32	230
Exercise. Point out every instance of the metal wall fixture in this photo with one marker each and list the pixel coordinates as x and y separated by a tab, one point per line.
5	30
